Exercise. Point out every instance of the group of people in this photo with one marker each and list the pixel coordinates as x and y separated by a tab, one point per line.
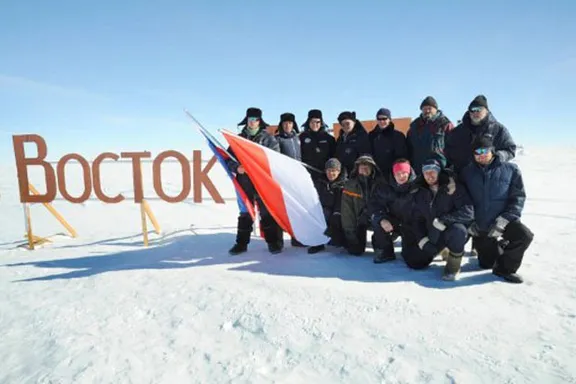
436	187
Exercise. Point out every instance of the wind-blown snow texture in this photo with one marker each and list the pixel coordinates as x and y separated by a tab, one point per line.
102	308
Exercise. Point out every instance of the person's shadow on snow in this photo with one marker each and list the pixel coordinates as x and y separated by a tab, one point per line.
201	250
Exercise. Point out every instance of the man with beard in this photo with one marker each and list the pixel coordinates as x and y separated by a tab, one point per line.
356	194
426	135
442	214
254	129
388	144
329	190
478	121
316	144
353	141
497	190
391	207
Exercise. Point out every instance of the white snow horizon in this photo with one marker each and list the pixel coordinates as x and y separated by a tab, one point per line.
103	308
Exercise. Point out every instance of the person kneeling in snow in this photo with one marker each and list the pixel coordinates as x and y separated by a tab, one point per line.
443	211
364	179
329	190
391	206
497	190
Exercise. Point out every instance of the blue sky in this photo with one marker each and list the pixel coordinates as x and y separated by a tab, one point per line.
115	75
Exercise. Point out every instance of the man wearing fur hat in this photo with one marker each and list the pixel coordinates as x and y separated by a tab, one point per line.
388	144
478	121
353	141
316	144
254	129
443	211
329	189
497	190
364	179
289	145
426	135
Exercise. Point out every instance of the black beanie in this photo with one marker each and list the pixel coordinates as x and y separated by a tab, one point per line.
484	141
346	115
430	102
479	101
315	114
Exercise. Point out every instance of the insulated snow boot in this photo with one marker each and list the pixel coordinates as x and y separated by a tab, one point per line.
275	248
238	249
382	257
316	249
296	243
509	277
444	253
452	268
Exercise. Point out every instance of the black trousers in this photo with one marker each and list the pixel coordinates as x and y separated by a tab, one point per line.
454	238
505	256
273	234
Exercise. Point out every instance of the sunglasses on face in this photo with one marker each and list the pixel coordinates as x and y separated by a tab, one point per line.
481	151
475	109
383	118
253	119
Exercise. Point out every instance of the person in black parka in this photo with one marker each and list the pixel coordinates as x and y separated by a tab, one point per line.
391	209
427	134
329	190
497	190
316	144
388	144
443	211
352	142
478	121
254	129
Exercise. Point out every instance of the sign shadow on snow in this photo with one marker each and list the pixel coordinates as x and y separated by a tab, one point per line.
200	250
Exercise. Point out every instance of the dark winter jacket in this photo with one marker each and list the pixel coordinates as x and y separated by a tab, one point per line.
356	195
316	148
263	138
393	202
289	143
426	138
459	142
496	189
330	193
451	204
353	145
387	145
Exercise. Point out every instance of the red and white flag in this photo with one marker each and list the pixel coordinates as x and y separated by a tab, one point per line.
285	187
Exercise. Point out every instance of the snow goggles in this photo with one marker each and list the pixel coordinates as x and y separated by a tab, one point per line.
475	109
482	151
253	119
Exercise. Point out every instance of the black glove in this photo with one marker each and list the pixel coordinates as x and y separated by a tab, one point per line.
428	247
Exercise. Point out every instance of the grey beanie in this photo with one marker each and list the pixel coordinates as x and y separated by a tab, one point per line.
333	163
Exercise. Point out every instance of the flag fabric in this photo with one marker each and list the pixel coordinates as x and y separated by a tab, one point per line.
244	204
285	187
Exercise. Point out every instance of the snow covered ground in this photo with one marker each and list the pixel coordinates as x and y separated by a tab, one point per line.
102	308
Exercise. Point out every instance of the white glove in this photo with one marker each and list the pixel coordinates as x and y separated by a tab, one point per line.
498	227
423	242
438	225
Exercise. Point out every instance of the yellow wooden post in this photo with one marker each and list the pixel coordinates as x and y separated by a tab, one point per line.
28	223
144	224
55	213
151	216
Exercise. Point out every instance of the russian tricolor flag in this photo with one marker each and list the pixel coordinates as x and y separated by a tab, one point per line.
285	187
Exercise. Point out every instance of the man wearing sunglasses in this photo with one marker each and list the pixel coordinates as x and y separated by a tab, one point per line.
478	121
497	190
254	129
388	144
